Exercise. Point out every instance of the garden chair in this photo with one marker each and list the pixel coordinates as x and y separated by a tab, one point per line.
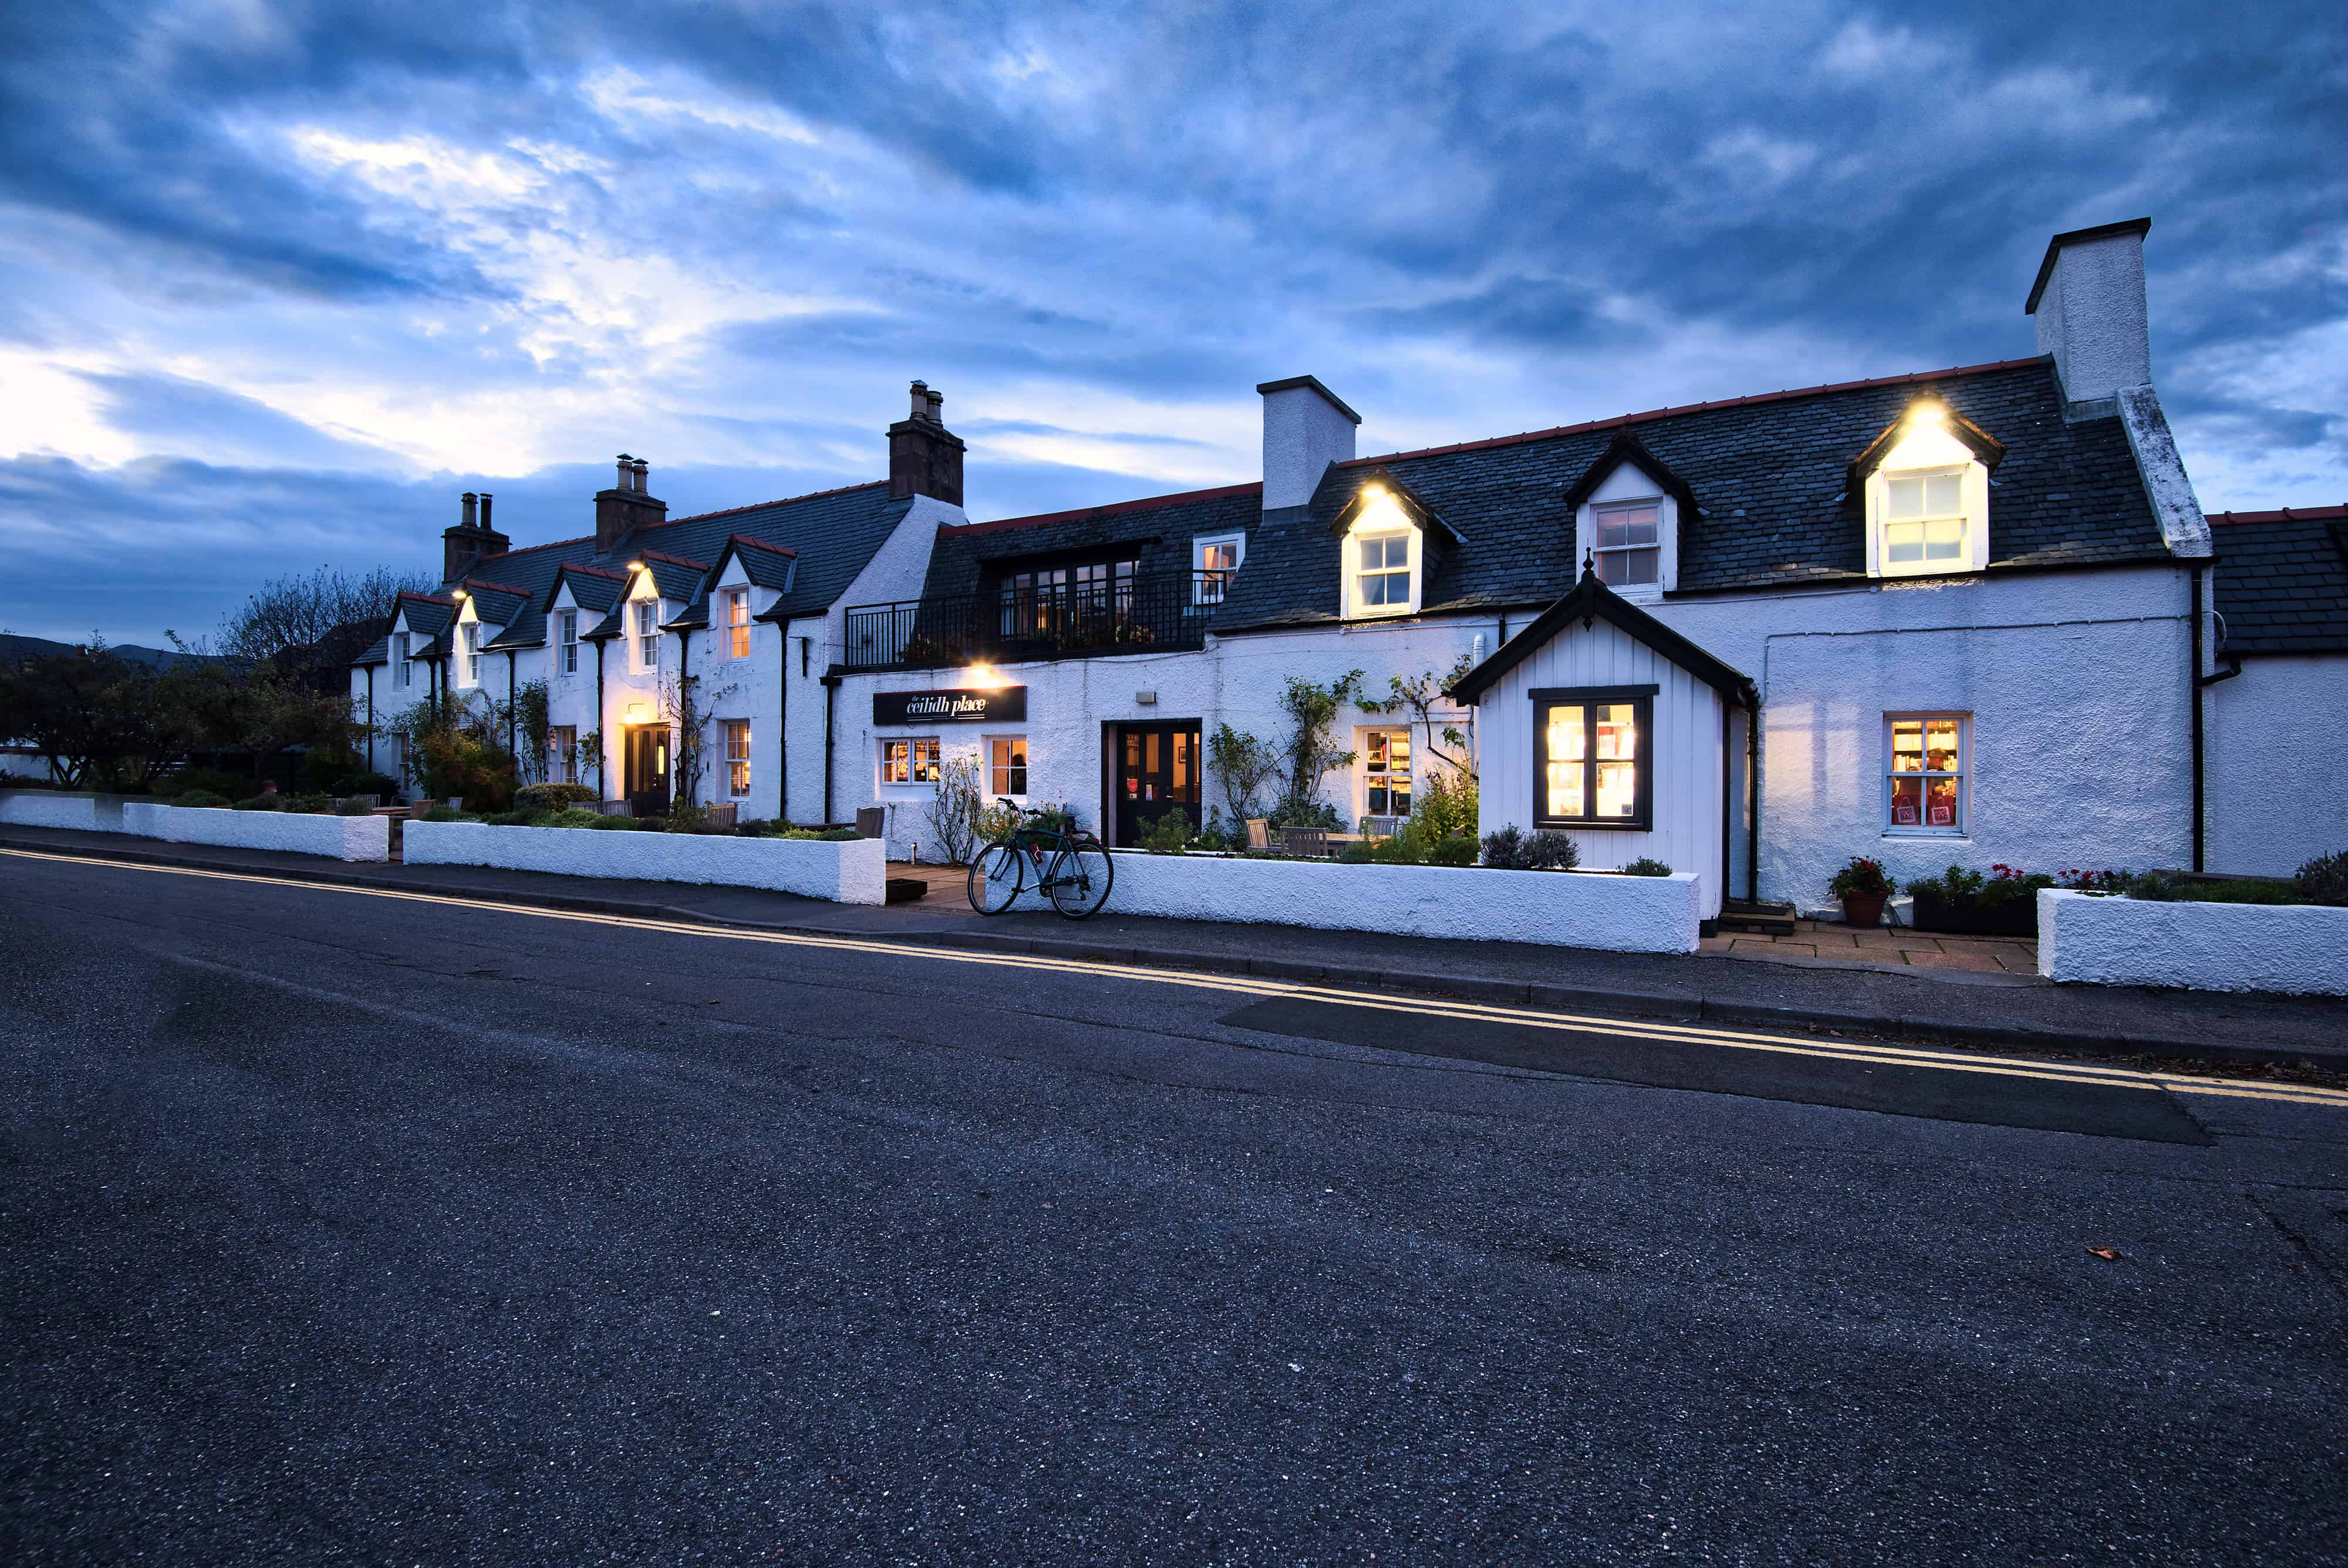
1306	842
725	816
872	821
1259	833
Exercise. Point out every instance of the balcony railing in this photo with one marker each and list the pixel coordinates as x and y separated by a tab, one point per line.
1139	614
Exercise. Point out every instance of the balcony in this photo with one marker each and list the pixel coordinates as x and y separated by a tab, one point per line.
1140	615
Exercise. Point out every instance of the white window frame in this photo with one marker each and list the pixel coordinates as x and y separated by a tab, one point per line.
737	767
566	629
1965	773
400	662
921	752
563	753
1414	554
468	654
1928	450
644	637
1371	771
737	623
1598	550
1204	591
1631	485
1025	766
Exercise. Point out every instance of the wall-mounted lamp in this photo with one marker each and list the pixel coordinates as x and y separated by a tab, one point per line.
638	713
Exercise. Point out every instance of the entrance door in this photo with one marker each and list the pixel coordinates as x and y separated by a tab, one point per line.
1157	772
646	758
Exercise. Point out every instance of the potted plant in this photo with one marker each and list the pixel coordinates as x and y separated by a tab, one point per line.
1862	887
1961	901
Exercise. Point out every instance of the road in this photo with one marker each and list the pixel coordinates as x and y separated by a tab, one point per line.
346	1225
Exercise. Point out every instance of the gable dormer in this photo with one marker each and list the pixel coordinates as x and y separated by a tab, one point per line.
1388	544
1628	511
1925	484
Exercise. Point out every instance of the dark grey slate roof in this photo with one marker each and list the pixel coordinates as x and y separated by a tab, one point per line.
1158	530
833	534
2282	580
1769	474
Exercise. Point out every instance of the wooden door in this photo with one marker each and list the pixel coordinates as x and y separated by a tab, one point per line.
646	758
1157	772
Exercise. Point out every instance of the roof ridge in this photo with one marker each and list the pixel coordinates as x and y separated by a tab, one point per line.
676	560
1143	504
2286	514
593	571
759	505
493	586
760	543
1618	421
429	598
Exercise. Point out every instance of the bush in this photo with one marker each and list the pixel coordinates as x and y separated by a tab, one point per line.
1444	808
209	781
1403	848
354	806
550	797
1646	866
2324	880
609	824
1505	849
382	786
1457	850
447	814
199	798
1509	849
1360	852
311	804
1168	835
326	773
509	819
829	835
262	804
2154	888
1554	851
2006	884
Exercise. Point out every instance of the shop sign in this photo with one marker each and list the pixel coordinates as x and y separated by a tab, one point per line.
1003	705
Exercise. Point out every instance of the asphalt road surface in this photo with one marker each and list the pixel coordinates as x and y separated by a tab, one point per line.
342	1226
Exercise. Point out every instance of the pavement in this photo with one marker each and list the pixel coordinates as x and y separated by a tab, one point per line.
1951	1006
370	1223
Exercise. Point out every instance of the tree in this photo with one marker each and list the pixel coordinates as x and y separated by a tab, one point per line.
687	708
1419	695
258	708
101	721
309	628
1244	764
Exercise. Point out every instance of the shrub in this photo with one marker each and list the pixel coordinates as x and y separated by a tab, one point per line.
308	804
1505	849
2007	884
550	797
1445	807
1458	851
2156	888
1865	876
199	798
2324	880
1554	851
509	819
211	781
354	806
1360	852
829	835
447	814
1168	834
609	824
573	817
262	804
686	817
382	786
1646	866
2079	881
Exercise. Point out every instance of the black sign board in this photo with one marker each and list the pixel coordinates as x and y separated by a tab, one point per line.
1008	704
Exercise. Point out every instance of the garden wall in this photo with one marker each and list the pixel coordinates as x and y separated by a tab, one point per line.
1560	909
293	832
844	872
2292	948
47	808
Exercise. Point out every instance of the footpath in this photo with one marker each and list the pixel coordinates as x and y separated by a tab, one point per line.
2001	1011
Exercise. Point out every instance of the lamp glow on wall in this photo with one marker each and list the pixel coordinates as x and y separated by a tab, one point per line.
638	713
985	677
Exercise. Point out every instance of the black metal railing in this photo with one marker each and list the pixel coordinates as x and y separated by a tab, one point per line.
1138	614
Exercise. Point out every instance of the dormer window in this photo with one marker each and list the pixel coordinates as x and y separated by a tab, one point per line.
1628	551
1388	541
1926	484
646	612
470	643
1627	511
1381	574
737	623
406	675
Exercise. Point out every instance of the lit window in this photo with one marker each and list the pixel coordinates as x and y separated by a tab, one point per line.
1385	773
909	761
1627	552
567	633
647	614
1216	562
1008	765
470	640
1589	758
562	754
1924	520
1382	572
1924	787
737	623
737	757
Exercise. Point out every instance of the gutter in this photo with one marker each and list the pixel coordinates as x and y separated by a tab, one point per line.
1753	802
831	679
783	723
2193	687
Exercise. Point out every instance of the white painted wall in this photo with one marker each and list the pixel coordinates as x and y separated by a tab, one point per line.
2276	799
2294	949
853	872
1560	909
47	808
1685	751
338	837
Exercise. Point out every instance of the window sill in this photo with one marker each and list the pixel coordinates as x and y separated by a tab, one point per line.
1931	835
1611	825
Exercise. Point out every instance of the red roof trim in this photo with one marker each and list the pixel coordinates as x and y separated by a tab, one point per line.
2288	514
959	529
431	598
760	544
495	587
673	560
1621	419
591	570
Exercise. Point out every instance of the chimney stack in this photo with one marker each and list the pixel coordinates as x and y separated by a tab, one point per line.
924	456
1306	428
626	506
2088	303
472	541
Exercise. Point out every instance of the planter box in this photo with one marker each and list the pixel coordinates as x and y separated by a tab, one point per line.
47	808
1560	909
851	871
2299	949
292	833
2015	917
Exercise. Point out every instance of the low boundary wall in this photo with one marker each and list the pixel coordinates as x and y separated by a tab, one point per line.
844	872
2298	949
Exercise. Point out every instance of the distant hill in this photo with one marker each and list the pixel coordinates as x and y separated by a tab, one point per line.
14	648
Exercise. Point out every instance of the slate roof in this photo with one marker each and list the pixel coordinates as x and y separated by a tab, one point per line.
1158	529
832	534
1769	474
2282	580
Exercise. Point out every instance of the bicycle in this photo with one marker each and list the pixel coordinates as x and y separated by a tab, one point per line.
1075	878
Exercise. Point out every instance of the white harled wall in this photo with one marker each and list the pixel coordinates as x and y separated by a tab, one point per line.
2274	788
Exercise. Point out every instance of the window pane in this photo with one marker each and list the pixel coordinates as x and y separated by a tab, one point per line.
1941	803
1618	788
1907	802
1618	732
1907	746
1628	568
1906	497
1941	744
1944	541
1903	542
1943	495
1626	525
1566	748
1376	759
1564	790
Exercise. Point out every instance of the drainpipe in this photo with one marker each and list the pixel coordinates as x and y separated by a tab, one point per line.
684	705
602	740
512	749
831	693
1727	800
783	722
370	766
1753	801
2193	686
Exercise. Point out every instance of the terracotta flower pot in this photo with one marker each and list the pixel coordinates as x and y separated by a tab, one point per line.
1864	909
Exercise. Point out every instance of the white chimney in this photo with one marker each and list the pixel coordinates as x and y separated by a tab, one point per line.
2089	305
1306	428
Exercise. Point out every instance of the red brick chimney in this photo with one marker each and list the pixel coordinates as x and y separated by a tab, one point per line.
924	456
472	541
627	505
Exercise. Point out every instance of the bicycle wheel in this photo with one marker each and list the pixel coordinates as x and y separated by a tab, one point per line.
995	878
1079	878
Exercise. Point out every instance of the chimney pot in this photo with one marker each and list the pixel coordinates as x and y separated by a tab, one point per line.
920	400
2089	309
485	510
937	401
640	470
625	471
468	510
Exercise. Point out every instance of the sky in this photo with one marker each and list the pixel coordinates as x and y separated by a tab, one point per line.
279	280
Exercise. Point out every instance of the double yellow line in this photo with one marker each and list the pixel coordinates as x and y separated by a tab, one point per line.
1252	986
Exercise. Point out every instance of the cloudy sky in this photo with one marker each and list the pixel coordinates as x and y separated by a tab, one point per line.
277	281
